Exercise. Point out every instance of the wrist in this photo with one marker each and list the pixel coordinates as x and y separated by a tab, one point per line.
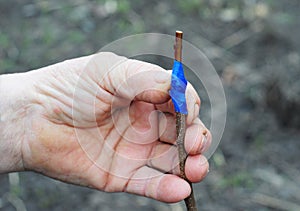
15	101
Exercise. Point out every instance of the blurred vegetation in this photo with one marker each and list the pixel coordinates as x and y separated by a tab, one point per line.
48	31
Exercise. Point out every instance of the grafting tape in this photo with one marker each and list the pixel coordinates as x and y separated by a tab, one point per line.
178	87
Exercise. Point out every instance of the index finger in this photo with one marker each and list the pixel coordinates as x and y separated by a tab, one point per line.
193	104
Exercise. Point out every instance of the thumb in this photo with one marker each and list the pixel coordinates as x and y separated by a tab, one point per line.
137	80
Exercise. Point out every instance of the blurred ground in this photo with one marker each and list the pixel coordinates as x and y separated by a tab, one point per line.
254	45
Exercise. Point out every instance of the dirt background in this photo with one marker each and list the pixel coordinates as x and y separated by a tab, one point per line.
254	46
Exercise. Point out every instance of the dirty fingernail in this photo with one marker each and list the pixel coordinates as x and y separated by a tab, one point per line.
204	143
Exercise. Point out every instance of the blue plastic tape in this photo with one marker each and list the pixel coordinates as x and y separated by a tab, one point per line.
178	87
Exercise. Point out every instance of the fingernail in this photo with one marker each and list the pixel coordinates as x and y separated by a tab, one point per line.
204	143
203	161
196	110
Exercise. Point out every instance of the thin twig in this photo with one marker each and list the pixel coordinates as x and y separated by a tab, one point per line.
180	131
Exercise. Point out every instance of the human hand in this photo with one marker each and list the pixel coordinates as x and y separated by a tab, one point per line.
107	122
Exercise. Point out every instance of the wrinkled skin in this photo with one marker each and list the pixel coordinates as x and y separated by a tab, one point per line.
107	122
